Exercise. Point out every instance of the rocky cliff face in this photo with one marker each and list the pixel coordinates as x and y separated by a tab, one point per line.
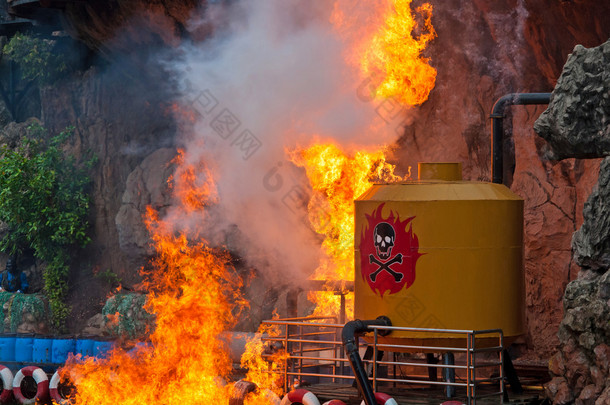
123	120
484	50
576	124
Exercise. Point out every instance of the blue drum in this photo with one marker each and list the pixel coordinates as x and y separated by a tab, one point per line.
84	346
61	347
101	348
42	349
24	348
7	347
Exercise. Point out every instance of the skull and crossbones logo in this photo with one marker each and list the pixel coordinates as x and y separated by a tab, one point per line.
384	240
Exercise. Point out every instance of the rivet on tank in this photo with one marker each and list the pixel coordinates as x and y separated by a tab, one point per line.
441	253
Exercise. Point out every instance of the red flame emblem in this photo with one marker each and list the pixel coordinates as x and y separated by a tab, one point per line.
388	252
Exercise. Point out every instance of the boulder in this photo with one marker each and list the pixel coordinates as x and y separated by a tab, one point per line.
147	185
591	243
558	390
576	122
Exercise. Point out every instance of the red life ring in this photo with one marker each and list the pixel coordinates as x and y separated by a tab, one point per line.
54	390
7	384
334	402
383	399
42	384
300	396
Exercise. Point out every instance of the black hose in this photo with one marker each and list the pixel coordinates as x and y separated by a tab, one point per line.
349	337
497	127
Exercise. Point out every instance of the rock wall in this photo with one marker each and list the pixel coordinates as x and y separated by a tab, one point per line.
123	119
576	124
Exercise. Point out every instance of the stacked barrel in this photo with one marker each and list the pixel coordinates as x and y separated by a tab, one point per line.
37	357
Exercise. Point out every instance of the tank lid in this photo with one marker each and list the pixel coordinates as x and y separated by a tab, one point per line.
447	171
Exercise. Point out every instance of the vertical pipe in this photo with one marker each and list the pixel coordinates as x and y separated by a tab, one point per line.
497	127
468	370
286	362
342	316
350	341
449	374
474	368
300	352
502	387
375	360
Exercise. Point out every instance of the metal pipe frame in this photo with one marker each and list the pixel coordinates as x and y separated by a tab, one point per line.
300	362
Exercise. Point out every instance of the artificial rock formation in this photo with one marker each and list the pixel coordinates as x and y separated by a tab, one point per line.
591	243
581	366
146	186
576	124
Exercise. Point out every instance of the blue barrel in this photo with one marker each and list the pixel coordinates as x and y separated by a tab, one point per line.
24	347
101	348
140	347
84	346
61	347
7	347
42	349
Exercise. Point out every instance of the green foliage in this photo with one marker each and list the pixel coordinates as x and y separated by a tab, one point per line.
109	277
125	316
36	57
44	202
15	306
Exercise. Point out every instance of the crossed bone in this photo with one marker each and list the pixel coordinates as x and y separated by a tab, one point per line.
386	266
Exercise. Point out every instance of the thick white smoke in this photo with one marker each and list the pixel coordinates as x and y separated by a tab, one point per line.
273	77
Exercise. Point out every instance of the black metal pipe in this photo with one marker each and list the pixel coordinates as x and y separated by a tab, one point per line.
349	338
497	127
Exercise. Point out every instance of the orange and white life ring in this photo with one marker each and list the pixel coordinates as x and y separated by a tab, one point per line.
300	396
334	402
383	399
54	390
7	384
42	385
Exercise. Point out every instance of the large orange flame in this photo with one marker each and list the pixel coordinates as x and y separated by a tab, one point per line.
390	56
395	57
337	178
194	293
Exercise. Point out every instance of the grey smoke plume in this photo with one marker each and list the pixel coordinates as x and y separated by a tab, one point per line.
272	78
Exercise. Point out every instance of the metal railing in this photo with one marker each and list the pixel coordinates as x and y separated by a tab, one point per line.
316	352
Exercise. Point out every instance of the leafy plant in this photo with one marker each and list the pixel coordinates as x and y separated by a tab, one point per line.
44	202
36	57
108	276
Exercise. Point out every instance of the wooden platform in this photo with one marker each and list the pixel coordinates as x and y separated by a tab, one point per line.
417	395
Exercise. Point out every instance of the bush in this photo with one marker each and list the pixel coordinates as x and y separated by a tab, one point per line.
36	57
44	202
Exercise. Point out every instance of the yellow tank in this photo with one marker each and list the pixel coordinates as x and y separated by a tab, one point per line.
443	254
